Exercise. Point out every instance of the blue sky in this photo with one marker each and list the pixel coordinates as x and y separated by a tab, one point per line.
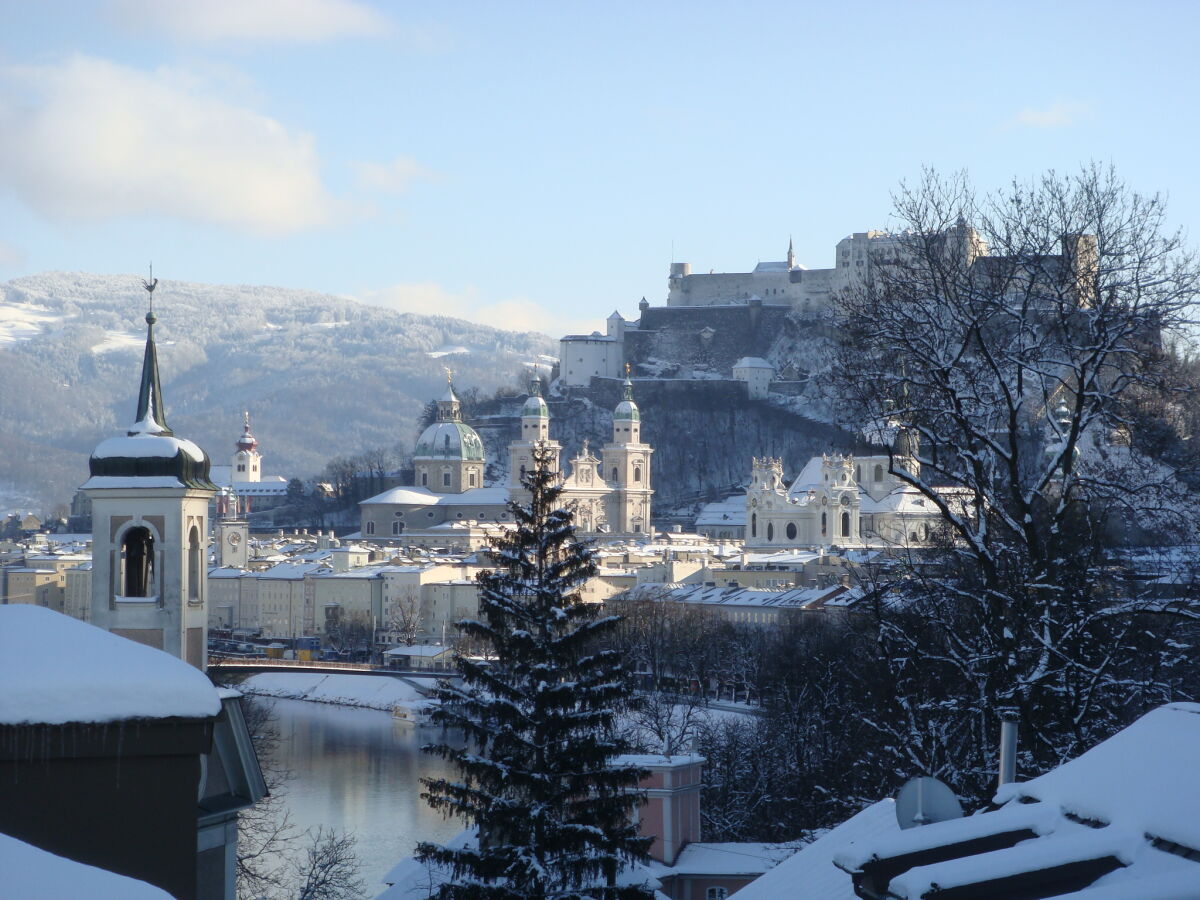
535	165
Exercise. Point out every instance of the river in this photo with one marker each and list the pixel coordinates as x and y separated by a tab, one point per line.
359	770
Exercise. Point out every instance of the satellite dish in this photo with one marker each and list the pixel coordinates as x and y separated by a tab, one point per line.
924	800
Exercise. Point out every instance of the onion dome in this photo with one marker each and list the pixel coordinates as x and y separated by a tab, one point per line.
449	437
535	407
247	441
149	449
627	410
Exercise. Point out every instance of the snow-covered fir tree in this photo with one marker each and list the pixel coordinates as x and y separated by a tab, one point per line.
551	807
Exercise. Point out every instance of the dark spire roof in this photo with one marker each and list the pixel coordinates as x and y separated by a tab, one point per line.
150	408
151	411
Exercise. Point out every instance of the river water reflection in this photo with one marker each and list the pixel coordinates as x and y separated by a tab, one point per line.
359	770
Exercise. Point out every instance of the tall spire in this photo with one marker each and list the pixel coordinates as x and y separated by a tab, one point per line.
151	411
791	257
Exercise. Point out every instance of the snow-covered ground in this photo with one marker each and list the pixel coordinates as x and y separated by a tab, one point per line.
369	691
445	351
23	321
118	340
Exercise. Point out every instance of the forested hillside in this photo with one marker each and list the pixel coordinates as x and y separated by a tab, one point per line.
321	375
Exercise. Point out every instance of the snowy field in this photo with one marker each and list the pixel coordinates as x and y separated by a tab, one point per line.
367	691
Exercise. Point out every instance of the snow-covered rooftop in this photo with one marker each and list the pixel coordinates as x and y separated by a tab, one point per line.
810	873
32	872
56	669
419	496
1125	810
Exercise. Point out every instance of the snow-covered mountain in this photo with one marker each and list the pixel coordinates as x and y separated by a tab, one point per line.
321	375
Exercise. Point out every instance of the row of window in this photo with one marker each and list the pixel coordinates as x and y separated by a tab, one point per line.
791	531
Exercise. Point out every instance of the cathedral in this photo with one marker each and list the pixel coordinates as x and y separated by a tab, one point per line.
609	494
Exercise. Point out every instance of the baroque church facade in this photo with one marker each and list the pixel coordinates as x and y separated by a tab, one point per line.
841	501
609	494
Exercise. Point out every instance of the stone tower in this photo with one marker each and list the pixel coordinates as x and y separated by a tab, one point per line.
150	493
247	461
626	466
535	430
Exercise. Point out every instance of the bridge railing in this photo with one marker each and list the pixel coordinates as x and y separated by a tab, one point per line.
217	659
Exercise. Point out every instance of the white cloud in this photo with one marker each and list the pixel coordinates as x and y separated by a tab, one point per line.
1056	115
513	314
390	178
93	140
279	21
10	256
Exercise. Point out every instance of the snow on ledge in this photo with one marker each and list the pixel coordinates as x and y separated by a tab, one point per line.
56	669
30	871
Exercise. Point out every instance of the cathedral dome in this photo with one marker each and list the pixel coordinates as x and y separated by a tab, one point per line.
449	440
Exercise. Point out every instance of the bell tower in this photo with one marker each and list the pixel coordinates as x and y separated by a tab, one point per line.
535	430
626	467
150	493
247	461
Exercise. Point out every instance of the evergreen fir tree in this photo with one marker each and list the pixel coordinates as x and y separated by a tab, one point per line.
538	778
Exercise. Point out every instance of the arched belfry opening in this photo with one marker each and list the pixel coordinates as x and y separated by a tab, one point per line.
137	562
195	565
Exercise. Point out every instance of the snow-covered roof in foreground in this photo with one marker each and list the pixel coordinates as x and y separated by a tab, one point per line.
810	874
725	859
56	669
32	872
144	445
1129	799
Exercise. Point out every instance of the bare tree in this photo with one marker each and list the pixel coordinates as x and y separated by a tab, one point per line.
328	869
994	344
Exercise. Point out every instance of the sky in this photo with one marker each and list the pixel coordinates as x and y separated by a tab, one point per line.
538	165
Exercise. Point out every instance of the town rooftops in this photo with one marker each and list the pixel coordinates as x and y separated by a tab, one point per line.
56	670
1118	821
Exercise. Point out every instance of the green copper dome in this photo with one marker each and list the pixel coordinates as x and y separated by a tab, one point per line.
449	440
627	410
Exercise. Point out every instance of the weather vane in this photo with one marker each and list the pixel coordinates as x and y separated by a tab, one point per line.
150	284
626	370
449	374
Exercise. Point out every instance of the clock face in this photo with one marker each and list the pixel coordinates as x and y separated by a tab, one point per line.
234	538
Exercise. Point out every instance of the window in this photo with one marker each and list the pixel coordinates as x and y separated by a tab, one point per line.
879	473
824	528
637	473
616	474
846	524
716	893
195	564
791	531
445	479
241	467
753	524
770	531
858	473
397	527
424	479
472	477
137	562
370	528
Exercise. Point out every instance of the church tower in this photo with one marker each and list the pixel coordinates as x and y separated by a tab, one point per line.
150	492
535	430
626	465
449	456
247	461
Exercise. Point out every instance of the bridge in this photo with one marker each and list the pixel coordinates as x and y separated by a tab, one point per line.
260	664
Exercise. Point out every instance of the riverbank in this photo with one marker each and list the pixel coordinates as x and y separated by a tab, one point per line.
381	692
